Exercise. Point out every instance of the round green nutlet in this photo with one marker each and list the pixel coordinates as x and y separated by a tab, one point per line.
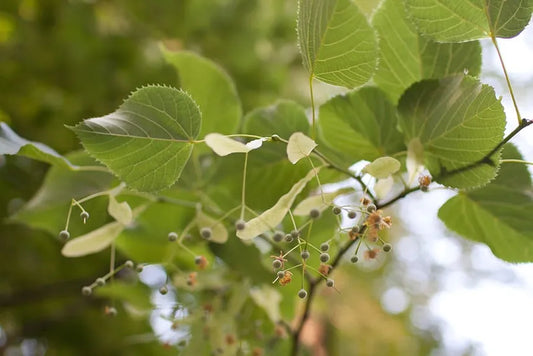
100	281
86	291
198	260
354	259
288	238
206	232
324	257
355	229
139	268
352	214
84	215
314	213
424	188
64	235
276	264
278	236
281	274
295	233
371	208
240	225
330	282
324	247
305	255
128	264
302	293
172	236
163	290
387	247
336	210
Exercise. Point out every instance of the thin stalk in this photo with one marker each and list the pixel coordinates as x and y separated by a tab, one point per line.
313	127
243	193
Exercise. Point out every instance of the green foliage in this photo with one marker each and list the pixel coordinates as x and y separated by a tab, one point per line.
187	162
498	214
337	44
458	120
457	21
148	140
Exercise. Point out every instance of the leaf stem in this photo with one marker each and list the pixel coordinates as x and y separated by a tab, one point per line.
313	115
243	193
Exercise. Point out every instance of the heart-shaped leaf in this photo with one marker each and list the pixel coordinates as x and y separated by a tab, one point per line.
148	140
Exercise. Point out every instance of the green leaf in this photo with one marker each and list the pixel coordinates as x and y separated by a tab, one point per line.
458	121
94	241
360	125
147	141
457	21
382	167
272	217
13	144
212	89
338	45
299	146
499	214
406	57
48	208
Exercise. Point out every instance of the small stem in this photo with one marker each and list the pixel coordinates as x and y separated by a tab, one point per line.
313	127
90	169
243	194
515	161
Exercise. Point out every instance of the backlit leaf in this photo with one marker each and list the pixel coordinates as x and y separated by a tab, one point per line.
458	121
338	45
407	57
457	21
499	214
147	141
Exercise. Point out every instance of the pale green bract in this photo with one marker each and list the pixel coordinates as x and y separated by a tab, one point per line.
400	40
458	21
219	233
223	145
320	202
121	212
94	241
299	146
499	214
383	167
458	121
337	44
270	218
148	140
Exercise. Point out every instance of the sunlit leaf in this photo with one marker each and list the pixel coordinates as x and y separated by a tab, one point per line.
383	187
212	89
219	233
338	45
299	146
121	212
499	214
360	125
13	144
382	167
407	57
457	21
273	216
147	141
458	121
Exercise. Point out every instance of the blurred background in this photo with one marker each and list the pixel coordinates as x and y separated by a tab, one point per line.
62	61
